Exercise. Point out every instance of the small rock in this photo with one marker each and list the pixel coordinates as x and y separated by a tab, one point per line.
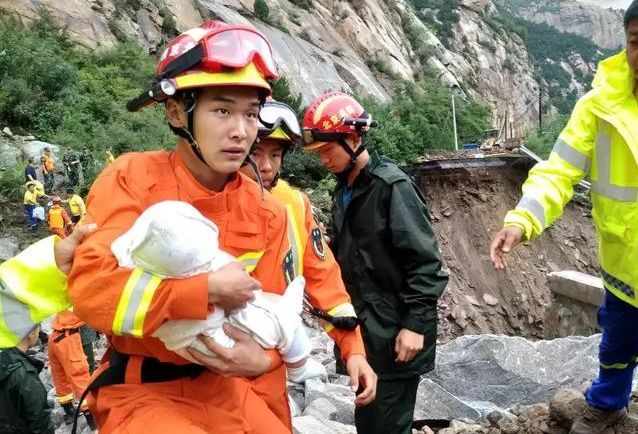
426	430
490	299
566	406
7	132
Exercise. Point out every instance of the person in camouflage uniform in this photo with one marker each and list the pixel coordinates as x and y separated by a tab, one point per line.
71	162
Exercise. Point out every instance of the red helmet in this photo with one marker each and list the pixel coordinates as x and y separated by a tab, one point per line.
213	54
331	117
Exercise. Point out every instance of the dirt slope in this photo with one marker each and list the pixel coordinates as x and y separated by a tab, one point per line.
467	206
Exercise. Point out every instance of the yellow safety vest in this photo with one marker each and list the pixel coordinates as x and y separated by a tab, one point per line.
76	204
32	288
600	141
293	200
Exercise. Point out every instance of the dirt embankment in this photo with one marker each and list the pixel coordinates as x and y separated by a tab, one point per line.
467	206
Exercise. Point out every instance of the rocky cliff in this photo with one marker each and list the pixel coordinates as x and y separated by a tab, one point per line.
603	26
360	45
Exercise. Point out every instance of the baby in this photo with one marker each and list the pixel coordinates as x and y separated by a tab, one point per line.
173	240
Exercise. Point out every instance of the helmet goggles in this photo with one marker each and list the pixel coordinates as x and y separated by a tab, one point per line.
275	114
358	126
228	47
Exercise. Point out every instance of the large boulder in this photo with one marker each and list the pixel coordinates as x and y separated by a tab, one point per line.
35	149
9	155
434	402
505	370
8	247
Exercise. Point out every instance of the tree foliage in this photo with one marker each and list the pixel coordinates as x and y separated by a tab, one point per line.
71	97
261	10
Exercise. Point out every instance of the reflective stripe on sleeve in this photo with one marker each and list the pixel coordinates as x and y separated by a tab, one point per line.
134	303
573	156
528	203
15	314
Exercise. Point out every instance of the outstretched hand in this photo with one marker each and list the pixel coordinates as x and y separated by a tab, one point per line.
504	241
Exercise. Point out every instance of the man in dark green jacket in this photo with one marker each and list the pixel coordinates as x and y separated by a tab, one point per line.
23	397
389	258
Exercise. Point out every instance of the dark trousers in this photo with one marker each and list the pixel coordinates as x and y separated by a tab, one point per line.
618	354
49	182
28	210
392	410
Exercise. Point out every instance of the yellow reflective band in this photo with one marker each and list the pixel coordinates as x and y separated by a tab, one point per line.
134	303
619	365
65	399
250	260
343	309
295	241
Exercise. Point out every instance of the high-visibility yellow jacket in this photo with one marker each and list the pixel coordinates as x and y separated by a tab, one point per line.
32	288
600	142
77	205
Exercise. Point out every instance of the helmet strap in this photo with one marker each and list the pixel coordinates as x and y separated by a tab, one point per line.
253	165
343	175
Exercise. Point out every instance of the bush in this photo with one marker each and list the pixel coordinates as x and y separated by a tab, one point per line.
542	143
303	4
74	98
419	117
261	10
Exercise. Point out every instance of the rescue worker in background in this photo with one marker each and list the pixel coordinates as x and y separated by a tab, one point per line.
32	276
57	218
69	368
108	158
29	171
278	134
76	206
71	162
213	80
30	201
48	168
86	161
599	142
23	397
389	258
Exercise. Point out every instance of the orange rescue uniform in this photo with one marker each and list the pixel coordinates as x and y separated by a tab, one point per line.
129	305
69	368
317	264
58	220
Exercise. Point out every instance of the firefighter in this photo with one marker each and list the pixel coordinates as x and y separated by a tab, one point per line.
58	219
69	367
598	142
212	80
279	133
388	254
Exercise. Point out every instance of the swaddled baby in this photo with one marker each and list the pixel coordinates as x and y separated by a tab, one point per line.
173	240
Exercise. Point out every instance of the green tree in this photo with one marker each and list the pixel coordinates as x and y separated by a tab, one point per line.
261	10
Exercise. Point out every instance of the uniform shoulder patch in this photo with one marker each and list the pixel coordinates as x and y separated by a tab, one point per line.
318	245
289	267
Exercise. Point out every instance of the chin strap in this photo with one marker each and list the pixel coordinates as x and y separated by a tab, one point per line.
343	175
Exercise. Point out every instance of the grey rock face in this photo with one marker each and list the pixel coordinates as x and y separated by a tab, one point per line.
510	370
8	247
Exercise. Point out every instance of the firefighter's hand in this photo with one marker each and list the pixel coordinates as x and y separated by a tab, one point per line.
363	380
504	241
407	345
231	287
64	250
246	359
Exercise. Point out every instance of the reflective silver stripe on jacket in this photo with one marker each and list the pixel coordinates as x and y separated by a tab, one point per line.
15	314
572	155
528	203
603	186
617	283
